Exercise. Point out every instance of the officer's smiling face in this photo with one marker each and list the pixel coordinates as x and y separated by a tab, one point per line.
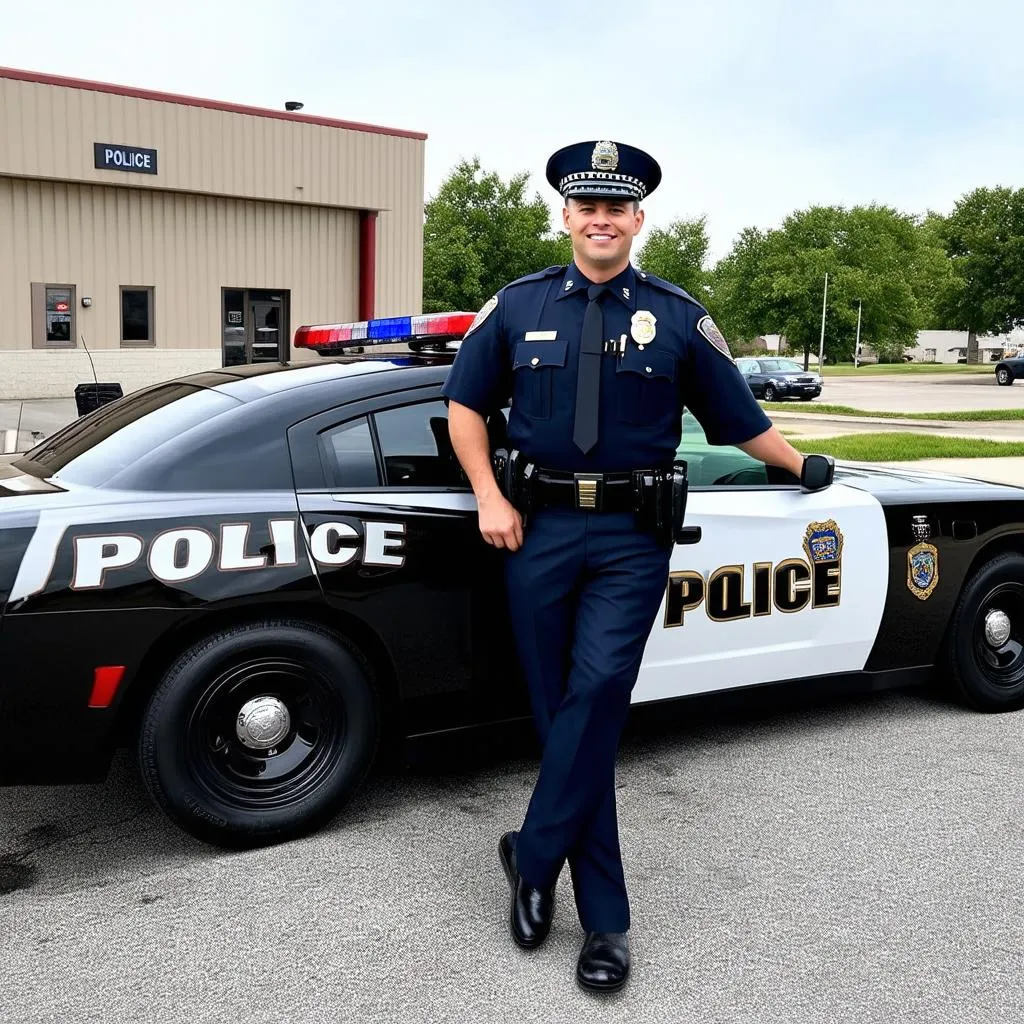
602	231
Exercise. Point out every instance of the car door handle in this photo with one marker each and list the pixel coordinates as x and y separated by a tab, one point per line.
689	535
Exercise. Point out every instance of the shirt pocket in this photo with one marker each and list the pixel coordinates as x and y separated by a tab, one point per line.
646	385
534	365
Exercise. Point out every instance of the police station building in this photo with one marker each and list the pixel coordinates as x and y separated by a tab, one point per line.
165	234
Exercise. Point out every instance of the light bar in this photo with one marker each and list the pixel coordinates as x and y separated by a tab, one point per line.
335	338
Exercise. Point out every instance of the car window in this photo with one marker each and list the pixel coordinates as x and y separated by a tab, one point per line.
780	366
710	465
347	451
130	443
415	447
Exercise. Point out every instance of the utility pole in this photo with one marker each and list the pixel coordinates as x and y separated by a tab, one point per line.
856	347
821	344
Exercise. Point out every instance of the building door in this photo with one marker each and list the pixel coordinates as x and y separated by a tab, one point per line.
255	326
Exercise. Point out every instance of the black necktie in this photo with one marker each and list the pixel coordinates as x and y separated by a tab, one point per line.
588	378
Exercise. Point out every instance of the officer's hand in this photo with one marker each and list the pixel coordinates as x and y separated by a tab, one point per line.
500	522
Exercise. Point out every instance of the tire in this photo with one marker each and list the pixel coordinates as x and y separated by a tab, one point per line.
213	782
1003	376
982	675
769	393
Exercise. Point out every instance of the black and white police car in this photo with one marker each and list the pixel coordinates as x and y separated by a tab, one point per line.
253	573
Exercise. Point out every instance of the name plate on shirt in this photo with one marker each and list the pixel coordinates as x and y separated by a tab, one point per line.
540	336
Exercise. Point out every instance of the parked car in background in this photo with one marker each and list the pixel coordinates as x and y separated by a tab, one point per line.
772	378
1008	370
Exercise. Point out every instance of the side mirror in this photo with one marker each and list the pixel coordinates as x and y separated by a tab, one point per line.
817	473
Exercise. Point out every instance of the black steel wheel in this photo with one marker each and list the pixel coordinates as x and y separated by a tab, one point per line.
770	393
985	645
259	733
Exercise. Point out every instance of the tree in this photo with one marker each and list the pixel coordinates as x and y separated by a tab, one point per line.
984	237
772	282
679	254
480	233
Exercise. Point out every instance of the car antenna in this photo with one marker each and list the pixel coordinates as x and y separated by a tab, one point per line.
95	379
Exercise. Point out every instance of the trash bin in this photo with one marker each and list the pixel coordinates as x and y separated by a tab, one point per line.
91	396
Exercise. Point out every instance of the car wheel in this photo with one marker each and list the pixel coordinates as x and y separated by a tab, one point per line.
769	393
985	645
1003	376
259	733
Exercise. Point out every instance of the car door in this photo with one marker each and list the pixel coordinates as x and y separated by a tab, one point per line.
782	584
748	367
393	531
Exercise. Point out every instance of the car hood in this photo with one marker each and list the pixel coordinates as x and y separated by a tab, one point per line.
889	482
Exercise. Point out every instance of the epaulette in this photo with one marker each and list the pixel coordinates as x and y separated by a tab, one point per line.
668	286
539	276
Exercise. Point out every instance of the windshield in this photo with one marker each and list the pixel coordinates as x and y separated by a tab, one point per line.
780	366
99	448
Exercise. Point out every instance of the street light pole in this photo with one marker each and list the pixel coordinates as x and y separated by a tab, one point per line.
821	344
856	347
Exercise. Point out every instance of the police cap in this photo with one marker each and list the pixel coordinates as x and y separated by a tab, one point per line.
608	170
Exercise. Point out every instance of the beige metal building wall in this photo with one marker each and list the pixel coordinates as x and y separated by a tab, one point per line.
186	247
242	198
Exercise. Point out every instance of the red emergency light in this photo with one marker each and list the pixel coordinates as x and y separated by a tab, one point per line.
414	331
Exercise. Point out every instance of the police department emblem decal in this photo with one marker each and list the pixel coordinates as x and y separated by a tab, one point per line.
709	329
642	327
823	542
486	310
922	570
605	157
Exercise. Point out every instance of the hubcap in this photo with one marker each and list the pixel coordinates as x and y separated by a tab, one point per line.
997	628
262	723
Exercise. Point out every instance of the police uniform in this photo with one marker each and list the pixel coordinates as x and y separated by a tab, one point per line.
586	584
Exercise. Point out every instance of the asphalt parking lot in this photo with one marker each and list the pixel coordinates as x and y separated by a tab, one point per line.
848	860
933	392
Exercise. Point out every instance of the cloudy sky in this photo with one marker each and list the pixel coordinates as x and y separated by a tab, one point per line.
753	107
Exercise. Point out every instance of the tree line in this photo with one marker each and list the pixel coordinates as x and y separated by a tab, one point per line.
901	272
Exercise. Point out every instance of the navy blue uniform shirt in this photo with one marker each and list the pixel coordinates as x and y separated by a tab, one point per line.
526	348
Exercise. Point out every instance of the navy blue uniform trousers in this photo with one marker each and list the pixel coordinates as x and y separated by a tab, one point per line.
584	590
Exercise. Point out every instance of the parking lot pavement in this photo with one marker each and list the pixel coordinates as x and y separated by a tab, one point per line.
35	419
907	393
847	860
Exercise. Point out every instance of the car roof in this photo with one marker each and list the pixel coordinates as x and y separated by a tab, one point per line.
259	380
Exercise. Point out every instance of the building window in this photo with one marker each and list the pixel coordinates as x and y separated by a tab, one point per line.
136	316
53	315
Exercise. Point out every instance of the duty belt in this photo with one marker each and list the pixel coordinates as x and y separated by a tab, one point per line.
657	496
596	492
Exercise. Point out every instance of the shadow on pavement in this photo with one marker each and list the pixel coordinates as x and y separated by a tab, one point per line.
76	837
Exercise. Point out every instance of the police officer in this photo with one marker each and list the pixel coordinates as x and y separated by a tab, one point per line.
598	359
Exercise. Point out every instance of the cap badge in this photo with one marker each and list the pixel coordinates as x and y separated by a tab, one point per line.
605	156
642	326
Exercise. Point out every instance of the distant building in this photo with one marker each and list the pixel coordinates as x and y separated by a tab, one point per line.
951	346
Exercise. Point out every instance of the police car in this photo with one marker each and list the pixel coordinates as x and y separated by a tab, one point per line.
254	574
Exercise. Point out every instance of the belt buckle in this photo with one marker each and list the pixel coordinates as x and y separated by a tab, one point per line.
588	490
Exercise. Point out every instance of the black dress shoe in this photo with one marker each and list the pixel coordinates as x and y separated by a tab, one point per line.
532	909
604	961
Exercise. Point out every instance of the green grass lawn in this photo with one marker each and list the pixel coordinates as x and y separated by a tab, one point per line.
900	447
823	408
873	369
